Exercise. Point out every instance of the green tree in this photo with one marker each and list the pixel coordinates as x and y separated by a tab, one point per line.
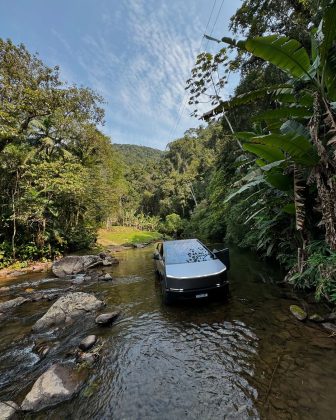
173	224
60	177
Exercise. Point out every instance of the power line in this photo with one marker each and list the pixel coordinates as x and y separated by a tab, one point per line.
213	7
215	23
183	102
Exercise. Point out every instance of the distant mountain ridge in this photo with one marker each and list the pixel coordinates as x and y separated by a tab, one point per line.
133	154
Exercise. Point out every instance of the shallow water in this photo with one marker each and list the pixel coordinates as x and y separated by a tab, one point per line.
245	358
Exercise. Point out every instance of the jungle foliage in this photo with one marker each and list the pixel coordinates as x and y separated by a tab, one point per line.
60	178
161	185
282	198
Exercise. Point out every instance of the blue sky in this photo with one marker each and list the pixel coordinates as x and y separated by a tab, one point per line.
136	53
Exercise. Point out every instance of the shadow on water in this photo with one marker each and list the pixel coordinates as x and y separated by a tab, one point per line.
246	358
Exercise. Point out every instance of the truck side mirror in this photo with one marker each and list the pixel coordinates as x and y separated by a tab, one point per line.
224	256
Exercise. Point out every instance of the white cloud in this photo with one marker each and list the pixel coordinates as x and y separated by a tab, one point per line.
143	76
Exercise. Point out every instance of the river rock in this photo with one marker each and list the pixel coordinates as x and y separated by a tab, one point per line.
10	304
105	277
331	316
329	326
8	409
41	349
298	312
107	319
59	383
79	279
108	259
17	273
316	318
89	358
74	264
37	296
66	308
88	342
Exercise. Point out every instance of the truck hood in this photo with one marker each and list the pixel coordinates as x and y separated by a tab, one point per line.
195	270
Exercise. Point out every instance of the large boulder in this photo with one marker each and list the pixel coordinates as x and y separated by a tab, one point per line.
75	264
59	383
66	308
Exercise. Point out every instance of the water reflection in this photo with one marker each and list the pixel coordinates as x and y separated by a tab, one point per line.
242	360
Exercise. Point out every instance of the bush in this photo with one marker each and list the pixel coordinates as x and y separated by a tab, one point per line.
5	254
173	225
319	272
27	252
206	223
80	237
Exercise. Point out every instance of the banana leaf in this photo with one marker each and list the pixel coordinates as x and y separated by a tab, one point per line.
285	53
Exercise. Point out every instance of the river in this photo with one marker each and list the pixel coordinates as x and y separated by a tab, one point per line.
247	358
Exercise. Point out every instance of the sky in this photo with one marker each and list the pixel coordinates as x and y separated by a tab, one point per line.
137	54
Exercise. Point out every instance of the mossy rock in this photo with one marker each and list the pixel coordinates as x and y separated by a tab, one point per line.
316	318
298	312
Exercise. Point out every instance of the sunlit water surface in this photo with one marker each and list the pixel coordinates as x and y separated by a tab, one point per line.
246	358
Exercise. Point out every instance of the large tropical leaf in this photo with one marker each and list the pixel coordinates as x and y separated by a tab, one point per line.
257	181
264	151
272	165
289	208
282	113
245	135
279	181
298	147
292	126
252	216
243	99
288	96
330	73
285	53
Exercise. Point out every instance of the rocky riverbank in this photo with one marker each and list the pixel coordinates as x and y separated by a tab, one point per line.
31	267
62	377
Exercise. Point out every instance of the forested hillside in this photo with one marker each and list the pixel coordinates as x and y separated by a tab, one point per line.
171	185
134	155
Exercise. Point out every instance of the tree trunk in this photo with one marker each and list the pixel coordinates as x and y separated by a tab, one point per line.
14	193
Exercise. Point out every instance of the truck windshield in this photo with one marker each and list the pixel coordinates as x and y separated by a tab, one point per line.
186	251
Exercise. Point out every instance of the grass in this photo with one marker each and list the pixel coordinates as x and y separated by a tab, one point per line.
121	235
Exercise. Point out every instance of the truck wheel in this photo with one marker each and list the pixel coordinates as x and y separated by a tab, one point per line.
166	297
